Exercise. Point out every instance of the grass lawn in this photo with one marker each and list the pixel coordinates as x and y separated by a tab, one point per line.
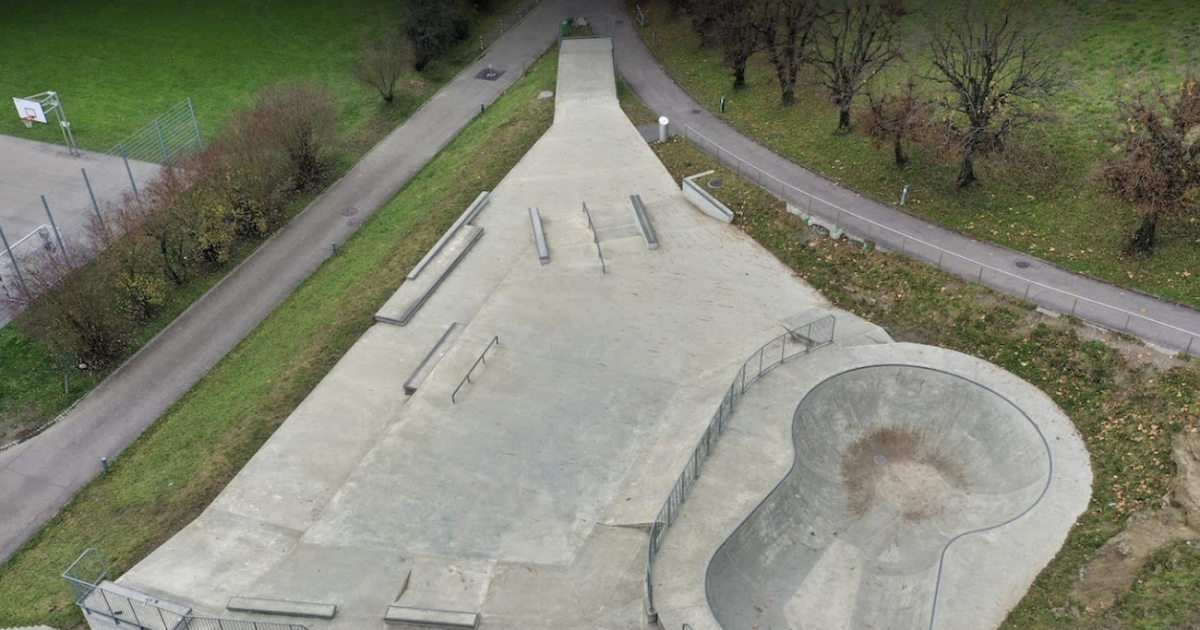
118	65
167	477
1040	197
1126	403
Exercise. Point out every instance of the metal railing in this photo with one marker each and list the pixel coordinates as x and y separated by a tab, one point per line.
89	571
771	355
595	239
467	379
1055	299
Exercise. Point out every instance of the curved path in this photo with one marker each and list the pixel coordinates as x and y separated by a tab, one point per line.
40	475
1160	322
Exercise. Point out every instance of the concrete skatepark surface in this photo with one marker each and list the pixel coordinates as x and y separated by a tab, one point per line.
527	499
912	487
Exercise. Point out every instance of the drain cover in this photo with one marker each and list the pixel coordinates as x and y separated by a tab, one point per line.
1022	264
354	223
349	212
695	111
715	183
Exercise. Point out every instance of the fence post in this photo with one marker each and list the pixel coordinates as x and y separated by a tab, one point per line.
54	227
129	171
95	206
15	264
195	125
162	143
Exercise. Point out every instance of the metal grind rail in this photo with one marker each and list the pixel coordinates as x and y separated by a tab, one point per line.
595	239
482	359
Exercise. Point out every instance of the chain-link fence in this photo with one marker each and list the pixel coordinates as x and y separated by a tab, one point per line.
794	343
1051	298
173	134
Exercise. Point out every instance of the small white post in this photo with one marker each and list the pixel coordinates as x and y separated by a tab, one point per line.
663	128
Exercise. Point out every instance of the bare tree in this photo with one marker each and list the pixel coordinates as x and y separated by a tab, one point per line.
895	117
732	25
381	62
851	44
998	70
785	29
433	26
1158	169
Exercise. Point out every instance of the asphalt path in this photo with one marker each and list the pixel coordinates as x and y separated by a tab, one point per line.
1165	324
39	476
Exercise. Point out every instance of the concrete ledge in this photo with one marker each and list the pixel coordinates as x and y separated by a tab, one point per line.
423	618
643	221
412	294
703	201
284	607
465	218
430	360
539	235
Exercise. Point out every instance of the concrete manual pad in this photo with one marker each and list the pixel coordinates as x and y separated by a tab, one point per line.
526	499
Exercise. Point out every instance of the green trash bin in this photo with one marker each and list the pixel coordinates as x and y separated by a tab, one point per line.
565	28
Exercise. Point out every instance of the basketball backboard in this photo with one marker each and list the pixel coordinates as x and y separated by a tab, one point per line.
27	108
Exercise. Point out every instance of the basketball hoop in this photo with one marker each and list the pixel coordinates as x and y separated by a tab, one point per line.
28	120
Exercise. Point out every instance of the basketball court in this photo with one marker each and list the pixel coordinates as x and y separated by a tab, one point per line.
29	170
494	450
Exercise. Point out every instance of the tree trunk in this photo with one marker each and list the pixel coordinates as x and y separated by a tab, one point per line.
1143	240
966	174
739	74
898	150
844	119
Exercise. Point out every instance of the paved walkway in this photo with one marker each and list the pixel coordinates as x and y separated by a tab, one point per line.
1162	323
39	476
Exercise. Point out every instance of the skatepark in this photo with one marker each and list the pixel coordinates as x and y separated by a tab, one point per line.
494	450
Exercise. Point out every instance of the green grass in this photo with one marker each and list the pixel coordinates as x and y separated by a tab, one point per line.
1125	407
163	481
118	65
1041	197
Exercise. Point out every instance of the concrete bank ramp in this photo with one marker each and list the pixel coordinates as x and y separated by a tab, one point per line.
892	462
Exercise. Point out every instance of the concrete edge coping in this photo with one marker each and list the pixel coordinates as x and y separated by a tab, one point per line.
643	221
427	618
539	235
467	216
410	385
284	607
707	203
416	306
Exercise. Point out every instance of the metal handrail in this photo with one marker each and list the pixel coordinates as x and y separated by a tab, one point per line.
758	363
467	379
595	239
1193	337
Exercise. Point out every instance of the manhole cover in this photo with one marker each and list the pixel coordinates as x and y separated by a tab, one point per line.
715	183
489	74
880	460
349	212
1022	264
354	223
